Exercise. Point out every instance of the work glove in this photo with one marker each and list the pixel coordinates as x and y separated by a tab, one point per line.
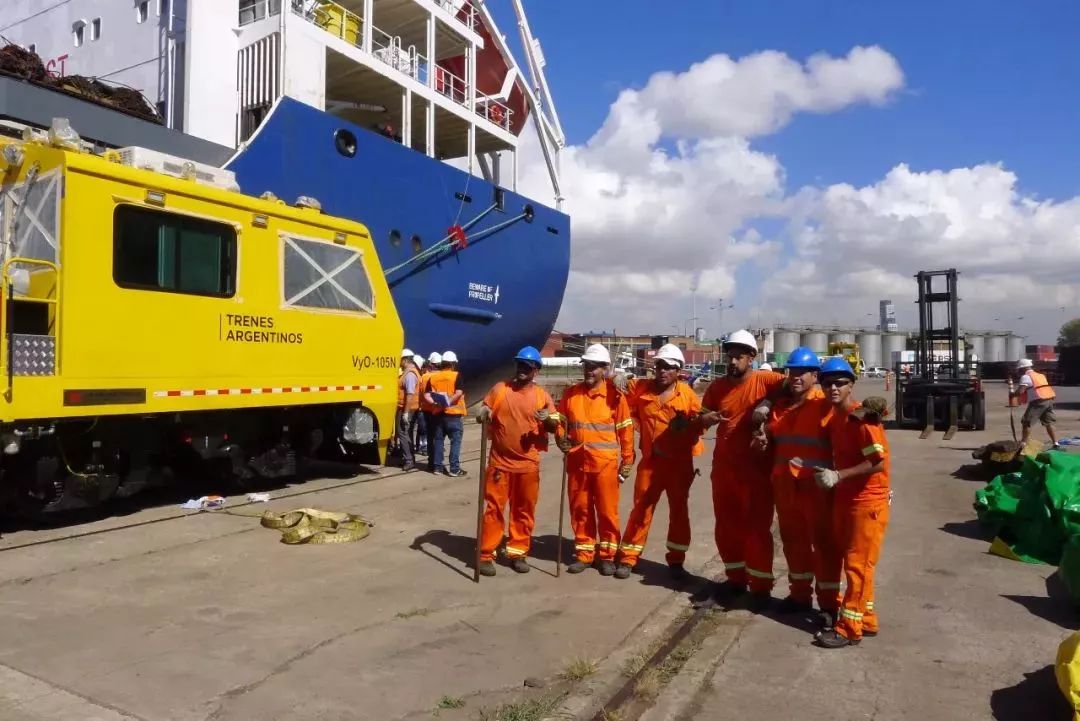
483	415
621	381
624	471
680	422
760	440
563	442
542	415
826	478
761	413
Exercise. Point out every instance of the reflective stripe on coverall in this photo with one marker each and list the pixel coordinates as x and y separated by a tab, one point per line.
667	466
741	491
860	517
602	433
803	510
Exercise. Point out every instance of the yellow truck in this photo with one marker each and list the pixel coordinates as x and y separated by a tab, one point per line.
156	321
850	353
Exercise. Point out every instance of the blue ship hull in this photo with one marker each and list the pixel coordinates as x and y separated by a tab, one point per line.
484	301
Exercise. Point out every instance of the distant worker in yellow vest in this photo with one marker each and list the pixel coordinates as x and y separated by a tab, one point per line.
1035	390
408	406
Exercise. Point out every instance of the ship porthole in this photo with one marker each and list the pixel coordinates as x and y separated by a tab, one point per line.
345	142
417	244
530	213
395	238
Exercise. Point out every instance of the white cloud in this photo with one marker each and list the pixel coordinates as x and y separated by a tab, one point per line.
1017	255
660	195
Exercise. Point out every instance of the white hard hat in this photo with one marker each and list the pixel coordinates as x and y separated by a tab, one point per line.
449	357
418	360
435	358
766	367
407	353
671	353
1024	363
597	354
743	338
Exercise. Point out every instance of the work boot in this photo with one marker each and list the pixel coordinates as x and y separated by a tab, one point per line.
408	467
728	592
623	571
607	568
868	634
790	606
759	602
520	565
577	566
833	639
827	619
678	573
487	568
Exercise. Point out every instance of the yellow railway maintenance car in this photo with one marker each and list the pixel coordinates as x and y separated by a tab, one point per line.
156	321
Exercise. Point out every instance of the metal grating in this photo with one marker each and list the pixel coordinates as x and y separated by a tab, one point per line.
34	355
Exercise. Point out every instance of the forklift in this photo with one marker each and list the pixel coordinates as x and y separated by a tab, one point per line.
943	393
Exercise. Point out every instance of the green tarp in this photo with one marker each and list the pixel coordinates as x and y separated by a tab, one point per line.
1035	513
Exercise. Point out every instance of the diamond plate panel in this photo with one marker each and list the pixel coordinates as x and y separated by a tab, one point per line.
34	355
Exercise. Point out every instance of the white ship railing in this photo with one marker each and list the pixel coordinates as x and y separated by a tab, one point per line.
254	10
463	10
495	111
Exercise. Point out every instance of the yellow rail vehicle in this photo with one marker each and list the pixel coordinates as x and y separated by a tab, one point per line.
157	320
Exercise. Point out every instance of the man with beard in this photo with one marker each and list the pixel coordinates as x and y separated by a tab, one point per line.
741	492
667	413
597	434
861	507
801	446
520	414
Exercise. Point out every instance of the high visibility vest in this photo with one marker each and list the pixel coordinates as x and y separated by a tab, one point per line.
598	427
800	433
413	402
1040	386
446	382
425	386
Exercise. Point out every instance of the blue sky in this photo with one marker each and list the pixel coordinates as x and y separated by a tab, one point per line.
984	82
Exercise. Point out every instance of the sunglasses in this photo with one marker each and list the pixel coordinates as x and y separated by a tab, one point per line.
591	365
835	383
661	365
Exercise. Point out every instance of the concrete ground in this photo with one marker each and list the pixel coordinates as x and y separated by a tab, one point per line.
206	616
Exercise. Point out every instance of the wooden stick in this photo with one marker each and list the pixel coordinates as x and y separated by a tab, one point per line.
562	513
480	499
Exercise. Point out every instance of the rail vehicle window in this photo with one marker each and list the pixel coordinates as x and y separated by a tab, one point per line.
155	250
323	275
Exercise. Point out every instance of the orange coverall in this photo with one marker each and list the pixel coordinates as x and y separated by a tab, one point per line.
602	433
513	469
860	516
803	510
667	465
741	491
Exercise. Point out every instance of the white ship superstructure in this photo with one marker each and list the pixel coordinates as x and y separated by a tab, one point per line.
436	75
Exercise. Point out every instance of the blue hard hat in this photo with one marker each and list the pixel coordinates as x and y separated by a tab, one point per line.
836	366
530	354
803	357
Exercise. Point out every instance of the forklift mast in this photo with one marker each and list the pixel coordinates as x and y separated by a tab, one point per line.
942	328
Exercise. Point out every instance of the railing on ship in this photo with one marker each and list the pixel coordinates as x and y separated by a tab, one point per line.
348	26
254	10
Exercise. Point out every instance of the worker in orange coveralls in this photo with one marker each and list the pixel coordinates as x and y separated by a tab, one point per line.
801	446
861	508
520	414
741	492
667	413
597	434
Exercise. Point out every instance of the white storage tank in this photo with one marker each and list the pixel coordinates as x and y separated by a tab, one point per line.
1014	348
892	343
870	349
785	341
841	337
995	348
978	346
816	341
